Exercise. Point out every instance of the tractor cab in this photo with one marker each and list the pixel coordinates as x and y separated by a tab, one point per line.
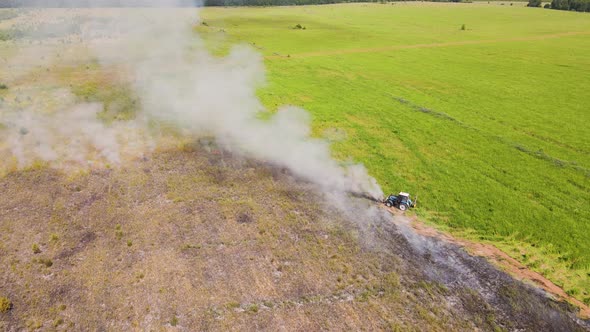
401	201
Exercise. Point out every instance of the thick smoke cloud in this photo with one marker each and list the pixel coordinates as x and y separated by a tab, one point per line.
178	82
70	137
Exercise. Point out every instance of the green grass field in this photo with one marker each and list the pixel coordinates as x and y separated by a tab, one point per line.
488	125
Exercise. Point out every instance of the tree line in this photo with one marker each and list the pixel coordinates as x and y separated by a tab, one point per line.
290	2
575	5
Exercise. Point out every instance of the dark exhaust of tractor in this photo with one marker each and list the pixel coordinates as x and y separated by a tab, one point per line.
365	196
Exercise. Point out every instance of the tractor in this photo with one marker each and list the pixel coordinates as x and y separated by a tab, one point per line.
401	201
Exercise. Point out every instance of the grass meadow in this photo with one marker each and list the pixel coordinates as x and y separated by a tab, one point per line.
489	125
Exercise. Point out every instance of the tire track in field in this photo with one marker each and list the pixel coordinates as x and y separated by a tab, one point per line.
518	146
427	45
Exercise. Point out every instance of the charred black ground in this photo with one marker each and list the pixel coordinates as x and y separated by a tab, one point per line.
195	240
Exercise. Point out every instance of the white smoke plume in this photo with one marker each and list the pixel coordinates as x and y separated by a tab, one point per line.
71	137
180	83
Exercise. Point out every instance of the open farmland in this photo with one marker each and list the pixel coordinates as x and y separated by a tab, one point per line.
488	125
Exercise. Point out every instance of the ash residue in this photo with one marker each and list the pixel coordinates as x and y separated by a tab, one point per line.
472	284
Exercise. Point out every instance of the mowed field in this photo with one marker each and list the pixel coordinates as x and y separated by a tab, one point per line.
489	126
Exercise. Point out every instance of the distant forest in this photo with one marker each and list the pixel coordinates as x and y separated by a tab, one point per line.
175	3
290	2
575	5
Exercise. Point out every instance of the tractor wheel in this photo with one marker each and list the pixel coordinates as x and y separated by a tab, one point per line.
403	207
388	204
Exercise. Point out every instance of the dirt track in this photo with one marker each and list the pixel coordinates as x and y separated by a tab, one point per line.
496	257
429	45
